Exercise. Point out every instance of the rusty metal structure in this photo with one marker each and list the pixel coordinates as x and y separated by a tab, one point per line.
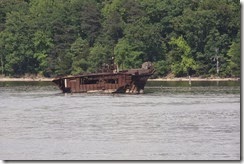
108	81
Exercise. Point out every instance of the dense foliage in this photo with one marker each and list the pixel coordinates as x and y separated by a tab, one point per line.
60	37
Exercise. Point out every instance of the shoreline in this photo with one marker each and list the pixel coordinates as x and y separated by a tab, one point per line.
7	79
195	79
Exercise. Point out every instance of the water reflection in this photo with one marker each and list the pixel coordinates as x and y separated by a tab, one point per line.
196	87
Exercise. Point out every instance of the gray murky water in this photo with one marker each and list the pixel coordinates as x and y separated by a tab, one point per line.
171	121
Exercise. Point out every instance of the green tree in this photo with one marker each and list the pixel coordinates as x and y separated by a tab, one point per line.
127	55
234	62
42	46
87	18
99	54
184	63
18	48
79	51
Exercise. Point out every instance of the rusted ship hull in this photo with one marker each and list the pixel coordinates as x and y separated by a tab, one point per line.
129	81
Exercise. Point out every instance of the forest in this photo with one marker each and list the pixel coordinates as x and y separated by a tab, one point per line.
50	38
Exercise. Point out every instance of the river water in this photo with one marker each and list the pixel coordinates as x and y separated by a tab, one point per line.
171	121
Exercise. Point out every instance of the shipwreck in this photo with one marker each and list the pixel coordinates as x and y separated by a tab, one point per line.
108	80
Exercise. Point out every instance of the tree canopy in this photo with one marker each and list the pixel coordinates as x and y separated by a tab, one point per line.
60	37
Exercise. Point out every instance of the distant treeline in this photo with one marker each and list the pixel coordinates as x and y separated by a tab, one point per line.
61	37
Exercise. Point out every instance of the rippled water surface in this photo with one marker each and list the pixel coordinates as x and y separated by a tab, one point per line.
171	121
